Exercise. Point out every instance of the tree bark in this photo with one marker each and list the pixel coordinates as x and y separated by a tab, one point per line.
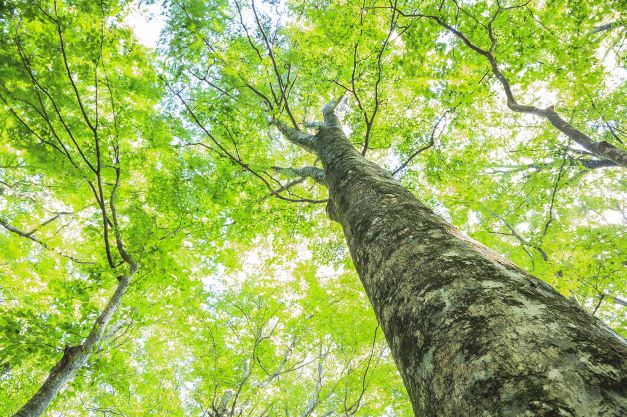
471	333
75	357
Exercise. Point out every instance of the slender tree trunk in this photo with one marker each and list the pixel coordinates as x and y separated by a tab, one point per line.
75	357
471	333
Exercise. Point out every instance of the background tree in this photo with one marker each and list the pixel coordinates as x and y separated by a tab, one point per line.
204	180
80	151
109	228
258	348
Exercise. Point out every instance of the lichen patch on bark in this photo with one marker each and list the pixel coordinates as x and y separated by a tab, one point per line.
471	333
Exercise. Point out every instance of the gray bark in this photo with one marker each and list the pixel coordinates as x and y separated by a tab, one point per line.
471	333
75	357
311	172
608	26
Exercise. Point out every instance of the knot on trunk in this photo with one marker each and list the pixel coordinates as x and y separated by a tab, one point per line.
68	354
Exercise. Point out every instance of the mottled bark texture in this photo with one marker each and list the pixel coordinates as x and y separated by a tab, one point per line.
471	333
75	357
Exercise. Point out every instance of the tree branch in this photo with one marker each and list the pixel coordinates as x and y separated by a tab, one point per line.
516	235
430	144
315	173
30	236
296	136
75	357
608	26
602	149
277	73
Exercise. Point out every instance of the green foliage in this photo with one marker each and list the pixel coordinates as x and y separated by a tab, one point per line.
245	293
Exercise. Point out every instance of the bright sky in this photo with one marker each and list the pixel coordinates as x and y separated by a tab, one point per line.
146	22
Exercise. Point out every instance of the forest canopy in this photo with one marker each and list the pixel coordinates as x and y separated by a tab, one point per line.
153	215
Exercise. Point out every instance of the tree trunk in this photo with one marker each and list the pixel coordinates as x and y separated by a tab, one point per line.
75	357
471	333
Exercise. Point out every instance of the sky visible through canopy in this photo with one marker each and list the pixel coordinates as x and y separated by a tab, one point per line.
142	155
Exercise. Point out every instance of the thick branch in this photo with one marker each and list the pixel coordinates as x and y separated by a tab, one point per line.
316	174
590	164
328	112
608	26
116	227
296	136
602	149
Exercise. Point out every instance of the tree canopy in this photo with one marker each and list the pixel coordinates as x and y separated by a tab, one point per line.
159	174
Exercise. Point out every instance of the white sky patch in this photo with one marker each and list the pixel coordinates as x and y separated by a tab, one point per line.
616	74
541	95
473	219
146	21
392	159
613	217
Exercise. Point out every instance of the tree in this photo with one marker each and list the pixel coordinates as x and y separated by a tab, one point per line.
458	147
181	157
84	150
470	332
252	356
69	116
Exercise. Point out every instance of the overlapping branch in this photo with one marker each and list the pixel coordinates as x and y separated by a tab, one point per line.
602	149
524	242
283	85
429	144
369	116
75	357
234	157
276	100
31	236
